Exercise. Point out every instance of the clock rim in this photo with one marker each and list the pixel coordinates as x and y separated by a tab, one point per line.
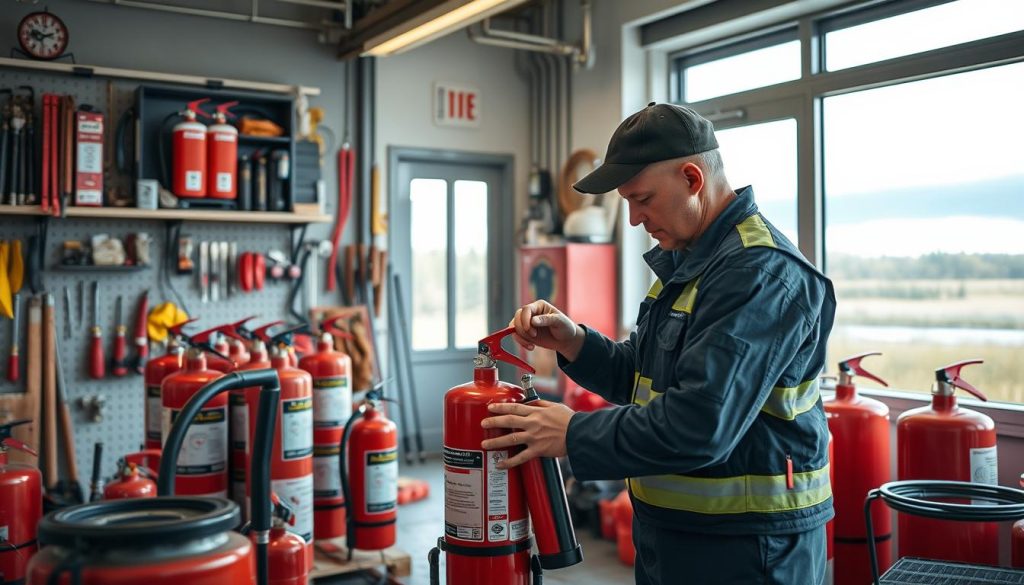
60	23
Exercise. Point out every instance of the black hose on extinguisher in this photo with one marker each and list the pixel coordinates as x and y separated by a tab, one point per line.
918	497
263	444
346	489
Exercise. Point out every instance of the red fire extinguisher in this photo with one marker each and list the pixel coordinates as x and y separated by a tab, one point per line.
189	153
1017	539
202	463
156	370
129	483
291	465
368	465
331	372
945	442
239	410
21	506
217	353
487	532
222	154
860	431
287	551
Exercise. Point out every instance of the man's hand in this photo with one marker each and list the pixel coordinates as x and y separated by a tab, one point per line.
540	323
540	427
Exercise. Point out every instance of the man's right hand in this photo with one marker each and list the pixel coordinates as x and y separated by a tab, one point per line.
541	323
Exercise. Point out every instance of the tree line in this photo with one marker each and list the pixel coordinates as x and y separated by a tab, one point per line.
938	265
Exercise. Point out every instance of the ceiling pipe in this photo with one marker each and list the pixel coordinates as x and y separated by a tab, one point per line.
582	54
253	15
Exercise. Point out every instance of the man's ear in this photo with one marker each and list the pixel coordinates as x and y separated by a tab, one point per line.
693	175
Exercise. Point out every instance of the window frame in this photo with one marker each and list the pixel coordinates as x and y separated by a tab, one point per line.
803	98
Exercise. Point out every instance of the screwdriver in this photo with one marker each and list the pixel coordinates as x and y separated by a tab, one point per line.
120	367
97	367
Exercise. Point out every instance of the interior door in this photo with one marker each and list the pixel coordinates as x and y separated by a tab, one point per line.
451	233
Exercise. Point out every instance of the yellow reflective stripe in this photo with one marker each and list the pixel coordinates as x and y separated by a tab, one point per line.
754	232
642	392
655	289
733	495
687	298
787	403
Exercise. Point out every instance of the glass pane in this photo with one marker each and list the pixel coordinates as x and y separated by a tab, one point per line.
923	228
470	262
764	155
429	287
946	25
738	73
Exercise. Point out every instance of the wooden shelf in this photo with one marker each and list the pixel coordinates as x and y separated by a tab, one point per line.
228	216
247	139
100	268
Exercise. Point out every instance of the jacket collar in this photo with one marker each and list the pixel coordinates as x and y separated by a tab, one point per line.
696	256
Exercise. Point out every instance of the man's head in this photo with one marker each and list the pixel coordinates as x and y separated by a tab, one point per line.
664	162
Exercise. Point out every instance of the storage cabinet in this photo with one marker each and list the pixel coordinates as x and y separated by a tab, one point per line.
579	279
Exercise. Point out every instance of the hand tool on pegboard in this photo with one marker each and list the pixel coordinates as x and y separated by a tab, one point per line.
346	171
13	365
68	486
67	313
118	359
49	361
97	363
81	303
96	480
141	338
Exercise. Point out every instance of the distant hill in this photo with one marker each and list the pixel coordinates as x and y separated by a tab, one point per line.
930	266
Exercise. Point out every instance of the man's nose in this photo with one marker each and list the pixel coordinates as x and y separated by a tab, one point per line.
635	217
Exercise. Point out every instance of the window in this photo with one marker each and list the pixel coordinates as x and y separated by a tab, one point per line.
924	203
739	67
429	238
470	263
947	24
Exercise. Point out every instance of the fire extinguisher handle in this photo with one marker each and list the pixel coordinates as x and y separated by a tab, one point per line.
491	345
951	375
176	330
851	367
13	443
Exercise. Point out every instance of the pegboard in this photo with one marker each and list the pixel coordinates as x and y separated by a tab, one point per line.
121	428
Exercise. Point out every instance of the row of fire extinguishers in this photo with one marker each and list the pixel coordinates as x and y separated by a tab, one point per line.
315	425
939	441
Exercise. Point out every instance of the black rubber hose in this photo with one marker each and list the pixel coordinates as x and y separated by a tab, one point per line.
434	561
259	471
346	490
917	497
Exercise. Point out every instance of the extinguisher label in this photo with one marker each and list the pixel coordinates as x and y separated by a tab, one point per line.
205	449
463	494
519	529
326	472
381	481
4	533
984	466
223	182
332	401
497	497
296	428
297	494
239	423
154	412
193	180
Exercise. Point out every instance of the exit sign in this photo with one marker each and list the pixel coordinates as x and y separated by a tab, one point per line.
456	106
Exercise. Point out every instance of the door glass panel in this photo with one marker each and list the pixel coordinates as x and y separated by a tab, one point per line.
924	216
429	238
470	262
749	70
764	156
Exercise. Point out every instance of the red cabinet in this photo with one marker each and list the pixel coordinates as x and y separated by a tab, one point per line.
581	280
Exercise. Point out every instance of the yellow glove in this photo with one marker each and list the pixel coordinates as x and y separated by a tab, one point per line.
16	273
6	302
161	318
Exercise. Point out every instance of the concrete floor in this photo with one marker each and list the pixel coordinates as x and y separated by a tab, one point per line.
420	523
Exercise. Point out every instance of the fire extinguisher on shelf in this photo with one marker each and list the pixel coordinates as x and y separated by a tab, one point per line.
188	152
291	465
368	468
331	372
860	429
222	155
943	441
202	464
487	535
21	506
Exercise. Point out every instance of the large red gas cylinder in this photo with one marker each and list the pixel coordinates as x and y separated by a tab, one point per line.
860	431
150	541
332	406
1017	539
370	478
222	155
291	463
202	464
487	530
188	144
21	505
129	483
945	442
239	409
156	370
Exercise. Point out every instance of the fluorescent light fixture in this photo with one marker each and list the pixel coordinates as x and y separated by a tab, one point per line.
434	23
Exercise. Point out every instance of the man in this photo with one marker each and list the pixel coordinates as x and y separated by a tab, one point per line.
723	437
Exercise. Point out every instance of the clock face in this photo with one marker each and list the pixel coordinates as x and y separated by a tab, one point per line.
42	35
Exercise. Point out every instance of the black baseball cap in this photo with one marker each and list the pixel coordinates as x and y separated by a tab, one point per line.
656	133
